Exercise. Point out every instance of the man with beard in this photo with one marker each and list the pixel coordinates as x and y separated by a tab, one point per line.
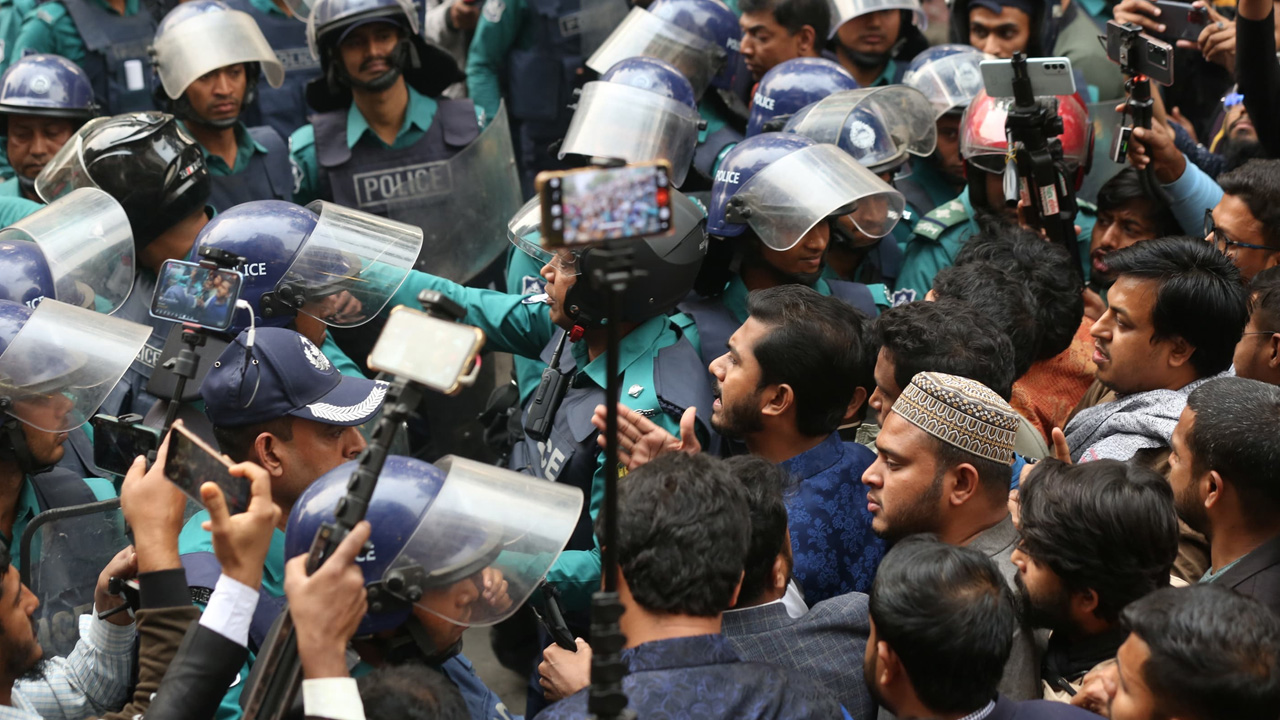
943	468
1245	224
870	38
942	623
1095	537
1177	310
794	370
244	163
1223	471
774	31
759	243
949	76
1127	214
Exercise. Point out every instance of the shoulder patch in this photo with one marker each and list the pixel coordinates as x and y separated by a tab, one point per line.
1086	205
903	296
929	228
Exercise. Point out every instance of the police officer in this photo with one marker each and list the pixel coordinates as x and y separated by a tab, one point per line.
108	38
949	76
12	13
57	363
283	108
155	170
882	128
700	38
873	39
312	268
790	86
275	400
760	246
440	561
983	145
44	99
532	53
210	60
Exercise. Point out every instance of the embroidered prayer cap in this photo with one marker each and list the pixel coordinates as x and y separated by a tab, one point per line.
962	413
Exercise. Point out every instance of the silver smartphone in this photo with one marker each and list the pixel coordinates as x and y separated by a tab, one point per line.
437	353
1049	76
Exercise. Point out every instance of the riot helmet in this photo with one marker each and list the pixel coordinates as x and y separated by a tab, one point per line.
437	529
1045	21
77	250
791	85
878	126
948	75
698	37
643	109
913	20
144	160
48	86
985	146
57	365
425	67
780	185
338	265
670	264
201	36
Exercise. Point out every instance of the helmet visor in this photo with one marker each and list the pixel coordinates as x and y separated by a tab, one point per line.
785	200
350	265
484	544
626	123
950	82
208	41
63	362
643	34
850	119
525	232
66	171
842	11
86	240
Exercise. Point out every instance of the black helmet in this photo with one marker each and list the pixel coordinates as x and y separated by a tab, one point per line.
667	264
144	160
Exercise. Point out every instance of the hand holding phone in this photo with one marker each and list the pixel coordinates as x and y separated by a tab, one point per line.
117	442
191	463
437	353
241	543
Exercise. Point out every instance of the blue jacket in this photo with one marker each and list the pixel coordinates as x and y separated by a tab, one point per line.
1189	196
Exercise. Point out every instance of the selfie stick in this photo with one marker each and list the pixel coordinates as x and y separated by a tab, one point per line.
273	695
185	365
1033	127
606	699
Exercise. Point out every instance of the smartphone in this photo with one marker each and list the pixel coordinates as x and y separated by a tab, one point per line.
192	463
437	353
1181	20
1049	76
118	441
1137	53
591	205
196	294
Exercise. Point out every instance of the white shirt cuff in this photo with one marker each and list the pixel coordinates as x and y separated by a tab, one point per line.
230	610
334	698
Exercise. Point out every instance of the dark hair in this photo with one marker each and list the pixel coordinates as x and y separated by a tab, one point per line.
237	442
993	476
945	337
1264	302
1107	526
683	534
1237	433
410	692
814	345
1257	183
794	15
1200	296
1048	271
765	484
1215	654
1126	187
949	616
1001	299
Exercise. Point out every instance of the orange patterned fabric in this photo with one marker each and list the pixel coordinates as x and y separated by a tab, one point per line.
1050	390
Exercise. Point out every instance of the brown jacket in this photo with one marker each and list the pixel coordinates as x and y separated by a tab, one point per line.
160	631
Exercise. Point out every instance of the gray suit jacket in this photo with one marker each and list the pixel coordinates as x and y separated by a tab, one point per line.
826	644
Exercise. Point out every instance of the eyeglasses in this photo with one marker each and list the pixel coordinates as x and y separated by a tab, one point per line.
1215	235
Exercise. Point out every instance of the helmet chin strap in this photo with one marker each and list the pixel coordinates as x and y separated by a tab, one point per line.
869	61
414	643
399	61
28	185
12	438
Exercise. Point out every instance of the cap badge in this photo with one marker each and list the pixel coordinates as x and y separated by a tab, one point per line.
314	356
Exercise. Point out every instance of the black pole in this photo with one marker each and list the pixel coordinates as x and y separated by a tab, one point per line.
606	699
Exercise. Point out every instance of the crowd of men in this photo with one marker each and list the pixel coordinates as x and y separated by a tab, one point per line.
891	442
